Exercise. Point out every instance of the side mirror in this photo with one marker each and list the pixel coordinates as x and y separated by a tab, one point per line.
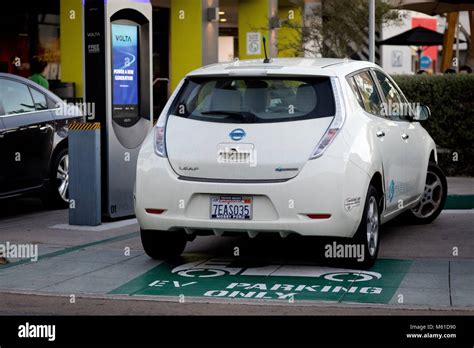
422	113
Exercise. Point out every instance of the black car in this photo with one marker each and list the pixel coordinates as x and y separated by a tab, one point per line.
33	140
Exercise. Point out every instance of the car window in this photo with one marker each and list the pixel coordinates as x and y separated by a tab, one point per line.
368	91
15	97
255	100
395	107
39	99
356	92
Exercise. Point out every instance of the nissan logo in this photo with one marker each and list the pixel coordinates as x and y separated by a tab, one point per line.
237	134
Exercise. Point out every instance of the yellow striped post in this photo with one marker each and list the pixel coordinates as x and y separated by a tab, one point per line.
84	126
84	174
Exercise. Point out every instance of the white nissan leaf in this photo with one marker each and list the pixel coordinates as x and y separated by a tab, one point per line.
314	147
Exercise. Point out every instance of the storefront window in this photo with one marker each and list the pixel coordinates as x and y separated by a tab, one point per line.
28	30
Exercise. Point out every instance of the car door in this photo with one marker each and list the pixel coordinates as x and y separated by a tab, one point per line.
398	111
386	135
417	154
415	158
27	139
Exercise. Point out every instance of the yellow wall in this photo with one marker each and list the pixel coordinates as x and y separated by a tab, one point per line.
253	17
186	38
286	34
71	43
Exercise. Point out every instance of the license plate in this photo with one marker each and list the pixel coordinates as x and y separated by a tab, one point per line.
231	207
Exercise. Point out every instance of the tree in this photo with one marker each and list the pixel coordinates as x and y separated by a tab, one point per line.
337	28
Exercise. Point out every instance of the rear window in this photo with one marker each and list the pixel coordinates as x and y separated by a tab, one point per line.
255	100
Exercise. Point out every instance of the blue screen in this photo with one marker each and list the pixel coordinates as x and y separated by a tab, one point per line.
125	64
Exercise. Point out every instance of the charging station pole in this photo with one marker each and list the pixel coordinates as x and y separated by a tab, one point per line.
118	81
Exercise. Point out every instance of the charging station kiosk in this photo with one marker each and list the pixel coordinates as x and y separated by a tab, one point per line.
118	80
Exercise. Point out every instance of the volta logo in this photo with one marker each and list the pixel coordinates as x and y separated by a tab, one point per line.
237	134
123	38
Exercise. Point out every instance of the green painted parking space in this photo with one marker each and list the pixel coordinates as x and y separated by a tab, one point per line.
230	278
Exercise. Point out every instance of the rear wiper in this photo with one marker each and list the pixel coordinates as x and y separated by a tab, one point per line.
246	116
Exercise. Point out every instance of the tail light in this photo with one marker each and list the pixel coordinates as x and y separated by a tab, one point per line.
336	123
160	148
160	128
327	139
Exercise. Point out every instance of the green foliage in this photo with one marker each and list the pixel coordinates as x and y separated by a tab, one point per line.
451	100
336	29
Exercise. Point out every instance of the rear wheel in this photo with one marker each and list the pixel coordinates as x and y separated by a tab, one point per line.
434	196
163	245
59	181
367	233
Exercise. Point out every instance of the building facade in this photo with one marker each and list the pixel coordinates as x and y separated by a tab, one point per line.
187	34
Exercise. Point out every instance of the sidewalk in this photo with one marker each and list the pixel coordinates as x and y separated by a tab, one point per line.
460	193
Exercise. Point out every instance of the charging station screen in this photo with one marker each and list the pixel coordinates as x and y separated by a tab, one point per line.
125	74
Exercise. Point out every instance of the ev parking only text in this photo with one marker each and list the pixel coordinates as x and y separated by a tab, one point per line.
284	291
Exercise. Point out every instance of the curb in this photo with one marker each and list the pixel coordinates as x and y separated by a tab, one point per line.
191	300
459	202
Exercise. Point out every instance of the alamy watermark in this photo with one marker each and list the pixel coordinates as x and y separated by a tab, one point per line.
236	154
28	330
402	109
76	109
344	251
19	251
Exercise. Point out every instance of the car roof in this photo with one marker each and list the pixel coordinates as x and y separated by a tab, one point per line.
284	66
32	84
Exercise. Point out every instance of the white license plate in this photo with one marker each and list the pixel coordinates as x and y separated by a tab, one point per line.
231	207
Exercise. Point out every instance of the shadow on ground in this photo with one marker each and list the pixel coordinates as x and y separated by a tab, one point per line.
10	208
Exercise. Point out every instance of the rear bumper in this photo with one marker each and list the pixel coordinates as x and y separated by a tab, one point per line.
322	187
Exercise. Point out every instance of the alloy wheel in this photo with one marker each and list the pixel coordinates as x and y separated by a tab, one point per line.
432	196
62	176
372	226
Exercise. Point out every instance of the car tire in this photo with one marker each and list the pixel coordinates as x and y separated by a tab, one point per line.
433	199
163	245
368	232
59	180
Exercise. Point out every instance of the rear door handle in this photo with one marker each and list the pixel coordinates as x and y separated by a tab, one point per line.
405	136
380	134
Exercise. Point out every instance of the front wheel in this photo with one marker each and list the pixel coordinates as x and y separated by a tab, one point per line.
433	199
163	245
367	233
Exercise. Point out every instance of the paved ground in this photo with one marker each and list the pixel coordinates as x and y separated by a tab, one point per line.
461	186
422	269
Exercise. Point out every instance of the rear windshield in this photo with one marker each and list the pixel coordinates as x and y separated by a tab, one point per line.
255	100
